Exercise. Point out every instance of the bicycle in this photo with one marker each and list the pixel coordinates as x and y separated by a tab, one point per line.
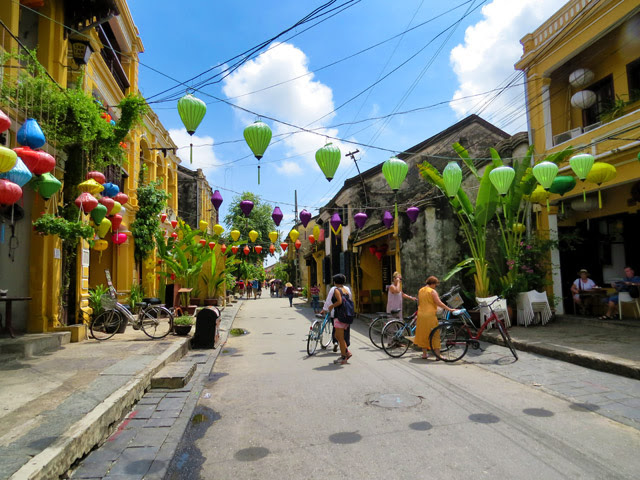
321	331
456	336
378	323
154	320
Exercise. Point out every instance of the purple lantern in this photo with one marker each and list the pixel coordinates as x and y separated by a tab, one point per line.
304	218
277	216
412	213
246	206
387	219
216	199
336	223
360	219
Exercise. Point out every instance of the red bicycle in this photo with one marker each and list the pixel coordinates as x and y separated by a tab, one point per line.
456	336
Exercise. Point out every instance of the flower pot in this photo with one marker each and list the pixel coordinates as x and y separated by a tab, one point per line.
182	329
196	301
191	309
211	302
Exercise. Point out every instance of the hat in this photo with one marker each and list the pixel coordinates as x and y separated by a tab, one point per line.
583	270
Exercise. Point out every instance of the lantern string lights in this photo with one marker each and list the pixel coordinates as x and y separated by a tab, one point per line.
192	111
258	136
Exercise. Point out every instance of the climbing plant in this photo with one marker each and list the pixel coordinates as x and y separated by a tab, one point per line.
152	200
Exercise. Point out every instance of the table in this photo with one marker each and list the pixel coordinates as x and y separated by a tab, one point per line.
591	298
7	313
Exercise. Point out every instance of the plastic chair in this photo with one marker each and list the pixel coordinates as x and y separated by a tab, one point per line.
625	297
376	300
531	303
500	307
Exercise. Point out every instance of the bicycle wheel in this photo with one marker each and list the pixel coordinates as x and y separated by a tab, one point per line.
314	337
156	322
393	338
375	331
453	341
105	325
507	340
327	335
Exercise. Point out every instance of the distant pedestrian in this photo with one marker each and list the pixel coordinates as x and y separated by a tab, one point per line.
256	287
337	297
289	293
315	298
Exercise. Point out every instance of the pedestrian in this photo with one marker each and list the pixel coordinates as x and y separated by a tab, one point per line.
256	286
248	288
240	284
428	303
289	292
280	288
315	298
337	299
395	295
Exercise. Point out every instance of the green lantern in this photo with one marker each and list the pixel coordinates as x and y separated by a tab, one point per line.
191	110
581	165
452	177
46	185
561	185
545	173
258	136
395	171
501	178
328	159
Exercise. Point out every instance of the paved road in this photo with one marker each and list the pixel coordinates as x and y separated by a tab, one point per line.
273	413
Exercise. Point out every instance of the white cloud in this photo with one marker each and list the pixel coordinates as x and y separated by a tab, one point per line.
203	154
486	58
299	102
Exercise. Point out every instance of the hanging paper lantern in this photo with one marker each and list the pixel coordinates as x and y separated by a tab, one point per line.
5	122
234	249
109	203
121	197
336	223
110	189
10	192
104	227
203	242
246	206
277	216
600	173
119	238
373	249
272	249
561	185
235	235
216	199
30	134
246	250
31	158
545	173
172	276
284	246
100	245
387	219
97	176
379	255
273	236
518	228
116	220
46	163
316	232
174	224
312	239
360	219
98	213
223	248
212	245
8	159
502	178
539	195
192	111
258	249
174	235
328	159
218	229
105	116
305	217
163	217
19	174
112	122
321	236
203	225
90	186
581	165
253	235
395	171
86	202
258	136
293	235
412	213
452	178
298	244
116	208
47	185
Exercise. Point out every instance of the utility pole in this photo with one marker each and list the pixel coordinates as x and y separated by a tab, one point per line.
297	259
353	157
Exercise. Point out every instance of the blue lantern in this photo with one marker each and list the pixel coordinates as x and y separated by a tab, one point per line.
19	174
30	134
110	190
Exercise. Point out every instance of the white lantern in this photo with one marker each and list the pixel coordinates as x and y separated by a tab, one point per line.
583	99
580	205
581	78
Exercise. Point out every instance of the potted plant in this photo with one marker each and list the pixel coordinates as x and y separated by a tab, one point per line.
195	296
182	325
95	299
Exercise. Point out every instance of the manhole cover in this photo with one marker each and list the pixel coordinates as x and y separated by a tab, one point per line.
393	400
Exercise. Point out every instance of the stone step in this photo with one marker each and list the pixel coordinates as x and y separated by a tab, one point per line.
32	344
174	375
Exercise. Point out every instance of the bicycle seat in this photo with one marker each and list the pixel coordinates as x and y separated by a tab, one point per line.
152	301
142	304
395	310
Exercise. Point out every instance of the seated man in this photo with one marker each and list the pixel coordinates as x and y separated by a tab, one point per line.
629	279
581	284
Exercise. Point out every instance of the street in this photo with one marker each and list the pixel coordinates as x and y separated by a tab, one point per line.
270	411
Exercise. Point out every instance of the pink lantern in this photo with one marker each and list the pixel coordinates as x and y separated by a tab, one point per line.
321	236
86	202
97	176
122	198
119	238
116	220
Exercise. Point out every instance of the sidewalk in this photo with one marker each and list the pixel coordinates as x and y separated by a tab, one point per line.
58	405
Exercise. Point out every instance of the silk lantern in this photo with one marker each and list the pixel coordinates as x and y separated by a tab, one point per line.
110	190
360	219
47	185
246	206
258	249
46	163
395	171
272	249
312	239
8	159
223	248
581	165
216	199
109	202
387	219
116	220
191	111
412	213
100	245
29	157
561	185
116	208
30	134
212	245
336	223
90	186
518	228
163	217
174	223
19	174
258	136
305	217
103	227
246	250
234	249
97	176
328	159
545	173
372	249
10	192
600	173
502	178
316	232
5	122
119	238
218	229
203	225
86	202
321	235
293	235
277	216
298	244
203	242
273	236
122	198
174	235
452	179
253	236
235	235
284	246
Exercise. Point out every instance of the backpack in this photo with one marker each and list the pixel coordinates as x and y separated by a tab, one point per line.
634	292
345	312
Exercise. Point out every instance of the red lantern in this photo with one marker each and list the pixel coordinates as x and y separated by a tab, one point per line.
107	202
234	249
97	176
116	220
373	249
212	245
272	248
87	202
284	246
163	218
223	248
30	158
312	239
246	250
174	223
10	192
173	276
258	249
159	261
379	255
5	122
122	198
174	235
298	244
203	242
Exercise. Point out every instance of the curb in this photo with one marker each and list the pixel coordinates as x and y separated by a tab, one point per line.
603	363
82	436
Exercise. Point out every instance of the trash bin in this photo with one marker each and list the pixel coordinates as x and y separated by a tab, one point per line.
207	325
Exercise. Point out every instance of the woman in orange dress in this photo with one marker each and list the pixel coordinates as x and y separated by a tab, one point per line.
428	303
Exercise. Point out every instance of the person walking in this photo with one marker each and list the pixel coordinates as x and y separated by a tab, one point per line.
289	292
256	286
395	295
340	327
315	297
428	303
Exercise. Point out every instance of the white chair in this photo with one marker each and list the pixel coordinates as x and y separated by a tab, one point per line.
531	303
624	297
500	307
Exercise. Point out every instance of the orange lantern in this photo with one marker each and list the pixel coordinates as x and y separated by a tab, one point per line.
272	248
246	250
234	249
223	248
258	249
284	246
298	244
312	239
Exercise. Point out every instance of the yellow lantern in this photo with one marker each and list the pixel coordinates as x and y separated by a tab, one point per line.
90	186
539	195
253	235
600	173
203	225
316	231
104	227
235	235
518	228
117	206
293	235
273	236
218	229
100	245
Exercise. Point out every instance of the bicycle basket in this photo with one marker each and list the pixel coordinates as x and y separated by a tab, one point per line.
455	301
108	303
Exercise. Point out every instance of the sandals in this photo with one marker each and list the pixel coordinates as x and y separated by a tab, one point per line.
605	317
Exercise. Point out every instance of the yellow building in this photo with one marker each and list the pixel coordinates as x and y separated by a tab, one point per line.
101	57
582	70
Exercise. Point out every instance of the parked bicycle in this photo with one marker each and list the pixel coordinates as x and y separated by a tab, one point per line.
456	335
321	331
378	323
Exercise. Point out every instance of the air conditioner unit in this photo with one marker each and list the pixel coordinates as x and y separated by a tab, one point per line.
593	126
566	136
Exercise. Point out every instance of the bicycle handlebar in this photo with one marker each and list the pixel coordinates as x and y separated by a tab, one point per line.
498	297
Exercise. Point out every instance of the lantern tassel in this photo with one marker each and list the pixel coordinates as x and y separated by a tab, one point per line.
258	174
191	153
584	194
562	207
547	205
599	199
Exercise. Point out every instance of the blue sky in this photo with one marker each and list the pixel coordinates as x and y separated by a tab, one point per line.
475	55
